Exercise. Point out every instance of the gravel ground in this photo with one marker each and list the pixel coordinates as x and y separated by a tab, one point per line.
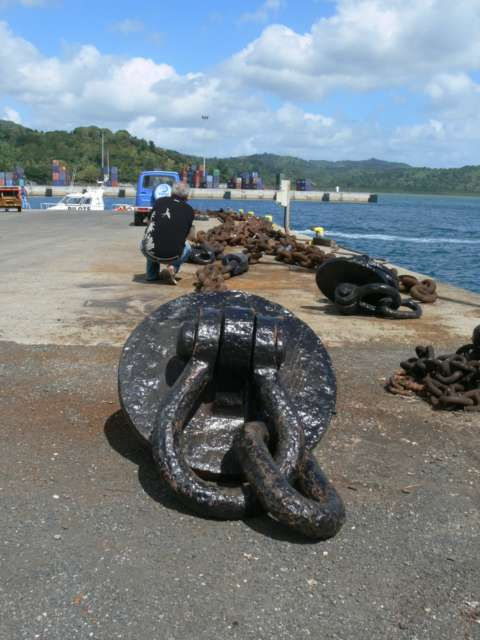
93	547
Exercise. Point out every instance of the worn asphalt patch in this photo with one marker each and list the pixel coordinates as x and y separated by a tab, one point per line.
93	547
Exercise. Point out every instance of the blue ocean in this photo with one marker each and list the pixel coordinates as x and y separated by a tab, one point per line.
435	235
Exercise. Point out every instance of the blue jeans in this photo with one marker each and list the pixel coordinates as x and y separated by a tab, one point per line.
153	267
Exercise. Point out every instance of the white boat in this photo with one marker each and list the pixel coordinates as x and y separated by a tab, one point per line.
89	199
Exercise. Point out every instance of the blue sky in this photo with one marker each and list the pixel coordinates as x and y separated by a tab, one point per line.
346	79
208	32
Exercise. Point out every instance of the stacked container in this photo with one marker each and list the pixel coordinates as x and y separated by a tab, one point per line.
194	177
55	172
303	185
246	180
19	176
197	181
12	178
114	176
60	175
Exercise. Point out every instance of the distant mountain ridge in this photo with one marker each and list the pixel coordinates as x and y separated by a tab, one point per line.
80	150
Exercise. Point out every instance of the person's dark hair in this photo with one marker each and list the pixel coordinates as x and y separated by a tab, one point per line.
181	190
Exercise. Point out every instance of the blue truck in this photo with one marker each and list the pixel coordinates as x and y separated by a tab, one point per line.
150	186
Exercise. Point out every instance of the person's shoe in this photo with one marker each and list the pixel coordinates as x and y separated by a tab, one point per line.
168	275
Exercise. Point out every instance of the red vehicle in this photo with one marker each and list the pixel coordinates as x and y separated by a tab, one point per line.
11	198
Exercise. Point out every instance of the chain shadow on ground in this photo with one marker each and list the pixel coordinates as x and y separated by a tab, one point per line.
324	306
123	440
141	279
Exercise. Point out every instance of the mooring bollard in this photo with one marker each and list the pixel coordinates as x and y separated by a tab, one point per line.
360	285
230	389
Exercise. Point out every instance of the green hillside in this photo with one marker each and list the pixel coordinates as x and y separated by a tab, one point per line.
80	150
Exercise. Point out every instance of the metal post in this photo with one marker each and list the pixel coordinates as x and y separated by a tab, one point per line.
204	117
286	218
285	201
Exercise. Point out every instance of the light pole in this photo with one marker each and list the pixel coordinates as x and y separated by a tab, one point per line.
204	117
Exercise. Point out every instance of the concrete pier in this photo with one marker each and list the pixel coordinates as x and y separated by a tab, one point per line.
92	546
128	191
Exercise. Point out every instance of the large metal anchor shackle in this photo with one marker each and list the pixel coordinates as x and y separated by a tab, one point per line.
233	374
361	285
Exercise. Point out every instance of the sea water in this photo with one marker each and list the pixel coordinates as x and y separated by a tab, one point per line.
435	235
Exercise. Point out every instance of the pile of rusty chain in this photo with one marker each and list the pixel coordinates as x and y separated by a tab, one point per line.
445	381
258	237
212	277
422	290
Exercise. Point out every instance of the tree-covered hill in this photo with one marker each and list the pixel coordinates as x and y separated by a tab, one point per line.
80	150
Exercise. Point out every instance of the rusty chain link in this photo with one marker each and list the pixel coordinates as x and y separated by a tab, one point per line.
422	290
445	381
258	237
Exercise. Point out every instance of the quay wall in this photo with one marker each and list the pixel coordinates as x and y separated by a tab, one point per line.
219	194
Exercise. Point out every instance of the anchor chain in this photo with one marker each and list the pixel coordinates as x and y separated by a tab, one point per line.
422	290
375	299
270	447
201	255
445	381
361	285
258	238
213	276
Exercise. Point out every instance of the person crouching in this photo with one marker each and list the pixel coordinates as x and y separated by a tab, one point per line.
165	240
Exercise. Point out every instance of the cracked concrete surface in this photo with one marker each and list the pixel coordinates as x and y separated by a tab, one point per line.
92	546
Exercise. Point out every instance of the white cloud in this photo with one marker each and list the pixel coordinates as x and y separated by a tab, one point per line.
432	130
367	44
426	47
454	96
128	26
264	11
12	115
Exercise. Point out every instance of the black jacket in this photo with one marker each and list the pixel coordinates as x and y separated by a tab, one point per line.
168	228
